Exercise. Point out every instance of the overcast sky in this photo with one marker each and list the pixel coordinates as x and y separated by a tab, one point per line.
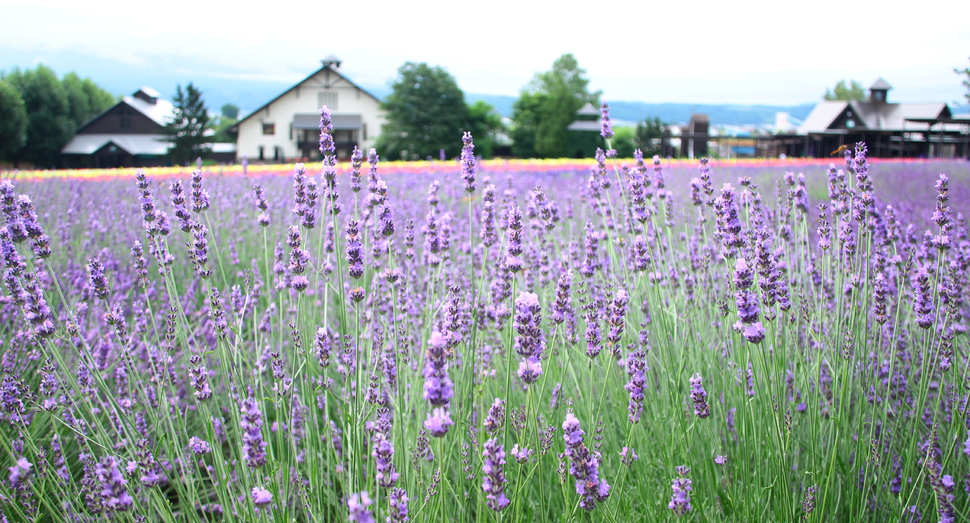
742	51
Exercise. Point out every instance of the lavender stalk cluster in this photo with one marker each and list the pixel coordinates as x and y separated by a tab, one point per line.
699	397
251	423
615	317
468	162
438	387
923	298
114	495
747	302
636	368
606	130
514	245
329	151
728	222
584	465
529	342
178	202
680	500
358	505
493	482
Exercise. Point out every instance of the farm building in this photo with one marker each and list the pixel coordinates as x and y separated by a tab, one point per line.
584	133
926	130
288	126
129	134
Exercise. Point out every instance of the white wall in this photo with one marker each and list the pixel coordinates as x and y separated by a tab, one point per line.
304	100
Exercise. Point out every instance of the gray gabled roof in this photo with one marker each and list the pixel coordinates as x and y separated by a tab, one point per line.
159	112
134	144
873	116
881	84
822	116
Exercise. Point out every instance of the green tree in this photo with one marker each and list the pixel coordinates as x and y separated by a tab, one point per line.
13	121
485	124
85	98
220	125
186	128
230	111
49	124
624	141
547	106
844	92
649	136
426	112
966	82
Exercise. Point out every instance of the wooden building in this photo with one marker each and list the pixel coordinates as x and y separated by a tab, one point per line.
288	126
129	134
584	133
926	130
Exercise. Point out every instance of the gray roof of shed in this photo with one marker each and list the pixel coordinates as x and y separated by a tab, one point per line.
874	116
881	84
134	144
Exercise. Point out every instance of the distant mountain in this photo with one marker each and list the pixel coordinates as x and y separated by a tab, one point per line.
674	113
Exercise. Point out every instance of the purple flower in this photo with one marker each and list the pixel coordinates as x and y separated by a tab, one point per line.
383	454
398	501
728	222
496	416
261	496
97	280
922	298
357	505
636	368
438	387
468	162
530	369
530	342
19	471
199	446
607	125
584	466
628	456
254	448
114	496
699	396
493	482
680	500
521	455
438	422
720	460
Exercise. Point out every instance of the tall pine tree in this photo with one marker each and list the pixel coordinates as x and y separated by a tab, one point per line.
185	130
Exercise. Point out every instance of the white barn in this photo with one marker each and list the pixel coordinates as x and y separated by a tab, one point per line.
288	127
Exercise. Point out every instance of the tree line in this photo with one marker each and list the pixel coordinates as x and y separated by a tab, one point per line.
426	110
40	113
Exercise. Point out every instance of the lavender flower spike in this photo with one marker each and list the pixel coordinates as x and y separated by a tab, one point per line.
680	500
357	505
584	465
261	496
699	396
468	162
493	460
438	422
607	125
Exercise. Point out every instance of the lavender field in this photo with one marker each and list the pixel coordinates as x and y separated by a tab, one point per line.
627	341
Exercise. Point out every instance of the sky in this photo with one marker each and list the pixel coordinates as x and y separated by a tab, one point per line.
719	52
